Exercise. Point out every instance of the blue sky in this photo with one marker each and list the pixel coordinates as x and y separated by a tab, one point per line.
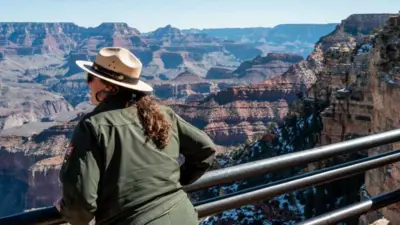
147	15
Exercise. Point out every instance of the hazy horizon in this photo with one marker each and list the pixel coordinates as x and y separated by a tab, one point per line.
169	24
189	14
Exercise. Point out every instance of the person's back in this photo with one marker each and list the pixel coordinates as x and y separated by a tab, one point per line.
123	165
140	179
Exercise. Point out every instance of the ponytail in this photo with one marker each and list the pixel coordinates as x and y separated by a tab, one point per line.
156	126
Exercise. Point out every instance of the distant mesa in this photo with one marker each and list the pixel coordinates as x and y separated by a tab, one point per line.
187	77
219	73
265	67
113	28
37	38
167	31
170	34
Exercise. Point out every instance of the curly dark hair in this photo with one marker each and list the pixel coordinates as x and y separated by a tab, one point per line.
155	124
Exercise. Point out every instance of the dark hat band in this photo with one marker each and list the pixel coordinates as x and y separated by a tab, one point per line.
114	75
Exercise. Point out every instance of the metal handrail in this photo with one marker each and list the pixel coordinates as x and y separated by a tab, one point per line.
260	167
42	216
320	178
296	177
356	209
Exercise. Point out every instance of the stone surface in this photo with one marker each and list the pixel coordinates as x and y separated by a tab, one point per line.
30	166
384	68
263	68
359	70
234	115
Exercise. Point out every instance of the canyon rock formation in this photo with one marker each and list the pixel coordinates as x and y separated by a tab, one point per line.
205	79
358	80
234	89
30	166
361	60
354	71
384	73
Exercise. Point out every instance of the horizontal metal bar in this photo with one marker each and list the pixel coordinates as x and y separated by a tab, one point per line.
296	177
260	167
265	193
43	216
356	209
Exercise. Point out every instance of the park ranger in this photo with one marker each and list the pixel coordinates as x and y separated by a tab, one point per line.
122	163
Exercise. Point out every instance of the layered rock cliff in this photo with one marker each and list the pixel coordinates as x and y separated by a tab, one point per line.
30	167
23	105
237	114
296	132
357	64
384	69
346	72
262	68
189	86
37	38
340	71
186	86
346	83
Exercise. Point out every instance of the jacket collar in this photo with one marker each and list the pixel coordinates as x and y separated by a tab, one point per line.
111	103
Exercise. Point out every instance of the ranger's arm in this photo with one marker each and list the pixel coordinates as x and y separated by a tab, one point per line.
197	148
80	175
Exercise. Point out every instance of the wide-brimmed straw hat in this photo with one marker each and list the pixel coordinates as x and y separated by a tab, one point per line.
118	66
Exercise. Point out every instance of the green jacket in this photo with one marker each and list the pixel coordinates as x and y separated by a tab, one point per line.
111	173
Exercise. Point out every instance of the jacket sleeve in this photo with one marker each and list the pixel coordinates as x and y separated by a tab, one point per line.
80	175
197	148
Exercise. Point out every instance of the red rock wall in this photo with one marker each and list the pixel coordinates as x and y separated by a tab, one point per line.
44	185
359	78
384	66
359	81
29	168
237	114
